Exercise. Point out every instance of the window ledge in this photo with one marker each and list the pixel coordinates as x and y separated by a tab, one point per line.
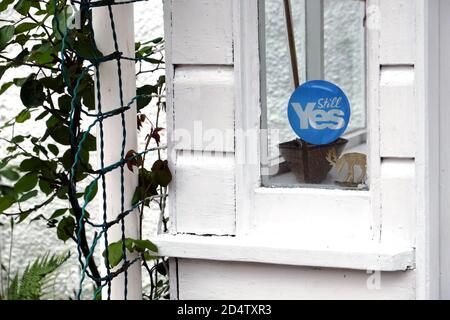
354	255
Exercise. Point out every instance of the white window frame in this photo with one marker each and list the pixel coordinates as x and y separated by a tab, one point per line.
264	210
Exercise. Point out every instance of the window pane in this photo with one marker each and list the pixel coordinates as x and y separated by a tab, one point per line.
329	37
344	51
279	83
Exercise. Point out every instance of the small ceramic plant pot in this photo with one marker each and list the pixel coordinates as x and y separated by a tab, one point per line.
310	166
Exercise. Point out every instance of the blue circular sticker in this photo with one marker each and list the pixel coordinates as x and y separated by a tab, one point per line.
319	112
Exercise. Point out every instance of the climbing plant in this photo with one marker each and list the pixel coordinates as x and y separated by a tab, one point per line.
58	67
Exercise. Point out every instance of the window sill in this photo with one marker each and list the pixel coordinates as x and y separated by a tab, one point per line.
282	177
354	255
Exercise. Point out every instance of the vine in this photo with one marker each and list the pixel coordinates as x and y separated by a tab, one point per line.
57	89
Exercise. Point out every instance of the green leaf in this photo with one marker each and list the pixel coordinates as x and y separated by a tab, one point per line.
93	187
6	202
5	87
88	97
61	193
31	164
40	149
148	256
23	116
144	95
161	80
36	4
60	134
137	196
161	268
58	213
22	39
52	122
129	244
24	27
64	103
32	93
56	84
26	183
6	34
21	81
154	61
3	70
18	139
66	160
43	54
35	281
143	245
84	49
115	250
28	196
42	116
10	175
66	228
20	58
45	187
83	160
90	144
4	4
162	173
23	7
59	23
53	149
84	46
115	253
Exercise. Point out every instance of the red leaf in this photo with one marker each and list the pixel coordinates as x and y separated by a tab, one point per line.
133	161
154	133
140	120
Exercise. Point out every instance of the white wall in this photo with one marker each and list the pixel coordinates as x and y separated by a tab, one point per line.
33	239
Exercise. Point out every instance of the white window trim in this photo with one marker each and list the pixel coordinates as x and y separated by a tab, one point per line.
314	39
252	200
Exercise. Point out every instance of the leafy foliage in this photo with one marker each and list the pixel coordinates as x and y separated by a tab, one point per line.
48	96
31	284
115	250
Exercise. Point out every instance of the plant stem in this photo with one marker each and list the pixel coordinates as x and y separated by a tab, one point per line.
8	275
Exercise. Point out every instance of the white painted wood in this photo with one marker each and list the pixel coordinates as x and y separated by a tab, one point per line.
398	112
171	151
322	215
205	193
173	278
260	216
427	157
201	32
373	111
204	117
398	211
444	143
314	40
398	32
249	83
109	80
353	255
231	280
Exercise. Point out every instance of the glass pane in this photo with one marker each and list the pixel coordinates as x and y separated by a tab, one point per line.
279	83
329	38
344	53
